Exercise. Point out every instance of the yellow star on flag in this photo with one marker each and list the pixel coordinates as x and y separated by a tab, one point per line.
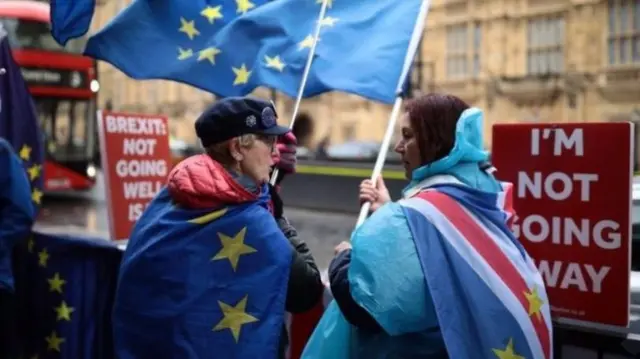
31	245
189	28
329	3
508	352
64	311
43	257
242	75
535	302
234	317
212	13
233	248
274	62
209	54
56	283
306	43
25	152
36	196
34	171
328	21
244	6
184	54
54	341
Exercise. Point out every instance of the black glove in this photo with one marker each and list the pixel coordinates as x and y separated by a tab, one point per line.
276	200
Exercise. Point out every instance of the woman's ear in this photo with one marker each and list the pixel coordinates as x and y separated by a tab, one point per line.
234	150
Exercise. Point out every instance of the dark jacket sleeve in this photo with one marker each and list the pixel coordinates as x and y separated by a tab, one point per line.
305	284
17	213
341	290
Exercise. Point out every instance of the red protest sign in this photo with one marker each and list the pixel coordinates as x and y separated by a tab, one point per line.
135	159
572	196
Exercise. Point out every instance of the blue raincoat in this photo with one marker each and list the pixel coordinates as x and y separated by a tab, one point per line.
385	274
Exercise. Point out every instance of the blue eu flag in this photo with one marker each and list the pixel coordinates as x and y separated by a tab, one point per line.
70	18
18	119
231	48
64	286
202	283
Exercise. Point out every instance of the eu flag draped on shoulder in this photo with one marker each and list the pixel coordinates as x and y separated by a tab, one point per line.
232	47
440	271
205	273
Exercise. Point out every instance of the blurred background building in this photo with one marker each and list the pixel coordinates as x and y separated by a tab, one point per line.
519	60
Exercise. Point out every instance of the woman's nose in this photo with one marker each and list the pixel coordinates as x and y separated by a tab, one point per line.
399	147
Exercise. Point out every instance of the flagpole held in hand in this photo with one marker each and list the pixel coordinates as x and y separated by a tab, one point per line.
395	112
305	75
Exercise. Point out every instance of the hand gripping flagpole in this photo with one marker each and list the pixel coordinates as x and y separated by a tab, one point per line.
395	112
305	75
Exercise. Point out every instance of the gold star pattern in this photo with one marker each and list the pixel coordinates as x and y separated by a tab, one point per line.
244	6
25	152
34	172
274	63
306	43
36	196
54	341
31	245
535	302
329	3
242	75
64	311
212	13
209	54
56	283
328	21
43	257
234	317
508	352
189	28
233	248
184	54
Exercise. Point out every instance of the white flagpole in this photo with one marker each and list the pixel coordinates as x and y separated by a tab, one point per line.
395	112
305	75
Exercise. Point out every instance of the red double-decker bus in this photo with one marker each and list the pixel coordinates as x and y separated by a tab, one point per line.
64	86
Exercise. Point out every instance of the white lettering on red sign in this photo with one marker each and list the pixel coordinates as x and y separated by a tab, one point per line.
139	166
135	125
564	231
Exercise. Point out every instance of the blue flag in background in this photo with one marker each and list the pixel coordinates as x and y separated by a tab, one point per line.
198	284
232	47
70	18
64	291
18	119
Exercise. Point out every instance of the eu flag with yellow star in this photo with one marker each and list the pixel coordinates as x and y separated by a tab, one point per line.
198	284
232	47
64	287
18	119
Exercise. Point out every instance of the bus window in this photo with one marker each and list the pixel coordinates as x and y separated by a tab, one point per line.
67	126
36	35
61	124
